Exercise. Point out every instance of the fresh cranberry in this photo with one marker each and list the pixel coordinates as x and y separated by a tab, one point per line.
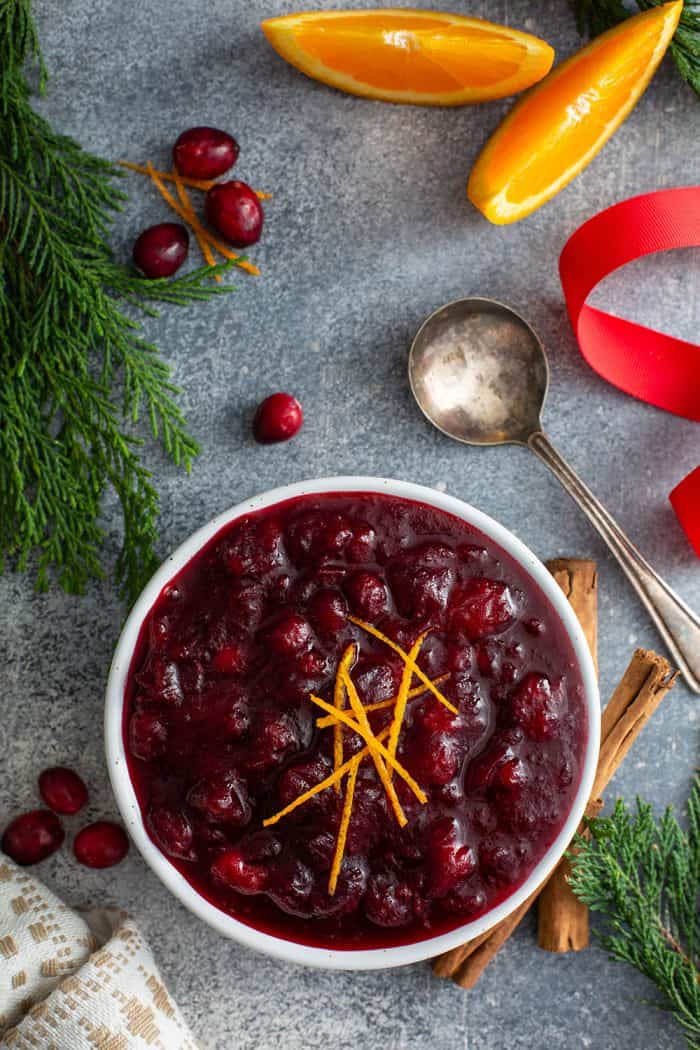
329	611
62	790
278	418
361	547
33	836
291	634
172	831
437	760
367	595
233	209
161	250
255	547
148	735
481	607
101	845
536	706
239	874
204	153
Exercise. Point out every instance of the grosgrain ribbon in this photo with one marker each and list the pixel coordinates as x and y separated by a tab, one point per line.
650	365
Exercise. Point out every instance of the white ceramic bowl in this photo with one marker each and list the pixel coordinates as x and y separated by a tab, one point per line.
374	958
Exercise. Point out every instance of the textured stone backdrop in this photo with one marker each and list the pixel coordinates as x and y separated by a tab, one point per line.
368	232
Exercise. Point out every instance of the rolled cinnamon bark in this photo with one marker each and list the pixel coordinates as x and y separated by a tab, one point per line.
562	919
646	681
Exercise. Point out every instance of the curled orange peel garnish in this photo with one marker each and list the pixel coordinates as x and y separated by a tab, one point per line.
346	660
344	825
374	743
402	695
174	176
322	785
382	705
429	685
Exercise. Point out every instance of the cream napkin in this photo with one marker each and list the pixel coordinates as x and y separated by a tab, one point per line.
77	982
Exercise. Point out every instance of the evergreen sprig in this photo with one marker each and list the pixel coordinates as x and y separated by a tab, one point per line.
595	16
76	373
643	875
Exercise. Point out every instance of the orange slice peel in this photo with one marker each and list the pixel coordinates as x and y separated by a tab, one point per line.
554	131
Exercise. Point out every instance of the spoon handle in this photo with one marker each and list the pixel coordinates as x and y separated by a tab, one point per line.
679	626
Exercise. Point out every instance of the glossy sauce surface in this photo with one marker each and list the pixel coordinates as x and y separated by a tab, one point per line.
220	731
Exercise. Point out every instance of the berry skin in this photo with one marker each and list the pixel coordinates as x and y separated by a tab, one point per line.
161	250
33	836
481	607
101	845
204	153
278	418
148	735
172	831
232	869
233	209
62	790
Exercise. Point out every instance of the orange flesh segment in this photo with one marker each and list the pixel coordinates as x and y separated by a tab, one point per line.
423	57
554	131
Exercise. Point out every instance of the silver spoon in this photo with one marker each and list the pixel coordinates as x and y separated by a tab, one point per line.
480	375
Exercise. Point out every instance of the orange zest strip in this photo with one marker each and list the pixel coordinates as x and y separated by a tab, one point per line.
344	825
196	225
346	660
329	781
192	220
365	731
402	695
406	658
373	742
381	705
173	176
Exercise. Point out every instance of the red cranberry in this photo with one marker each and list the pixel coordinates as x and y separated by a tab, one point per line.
388	902
222	797
161	250
278	418
33	836
450	859
536	706
238	874
481	607
148	735
100	845
62	790
361	546
204	153
367	595
172	831
233	209
290	635
254	548
231	658
329	611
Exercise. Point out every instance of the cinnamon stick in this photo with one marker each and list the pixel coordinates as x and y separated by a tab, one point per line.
646	681
562	919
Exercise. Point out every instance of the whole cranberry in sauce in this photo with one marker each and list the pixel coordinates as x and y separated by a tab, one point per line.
33	836
204	153
233	209
278	418
100	845
161	250
238	739
63	790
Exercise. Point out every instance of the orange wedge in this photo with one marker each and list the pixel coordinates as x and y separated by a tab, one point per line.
427	58
552	133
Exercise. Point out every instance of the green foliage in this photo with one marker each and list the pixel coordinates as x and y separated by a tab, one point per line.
75	372
643	875
595	16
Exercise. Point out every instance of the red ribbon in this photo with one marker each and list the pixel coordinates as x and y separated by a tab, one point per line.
650	365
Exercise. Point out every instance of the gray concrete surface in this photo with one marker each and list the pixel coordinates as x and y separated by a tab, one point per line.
368	232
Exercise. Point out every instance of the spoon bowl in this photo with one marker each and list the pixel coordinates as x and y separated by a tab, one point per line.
479	373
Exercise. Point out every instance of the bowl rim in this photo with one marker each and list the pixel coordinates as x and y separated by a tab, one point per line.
249	936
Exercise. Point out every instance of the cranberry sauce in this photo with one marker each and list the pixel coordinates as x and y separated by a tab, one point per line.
221	733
